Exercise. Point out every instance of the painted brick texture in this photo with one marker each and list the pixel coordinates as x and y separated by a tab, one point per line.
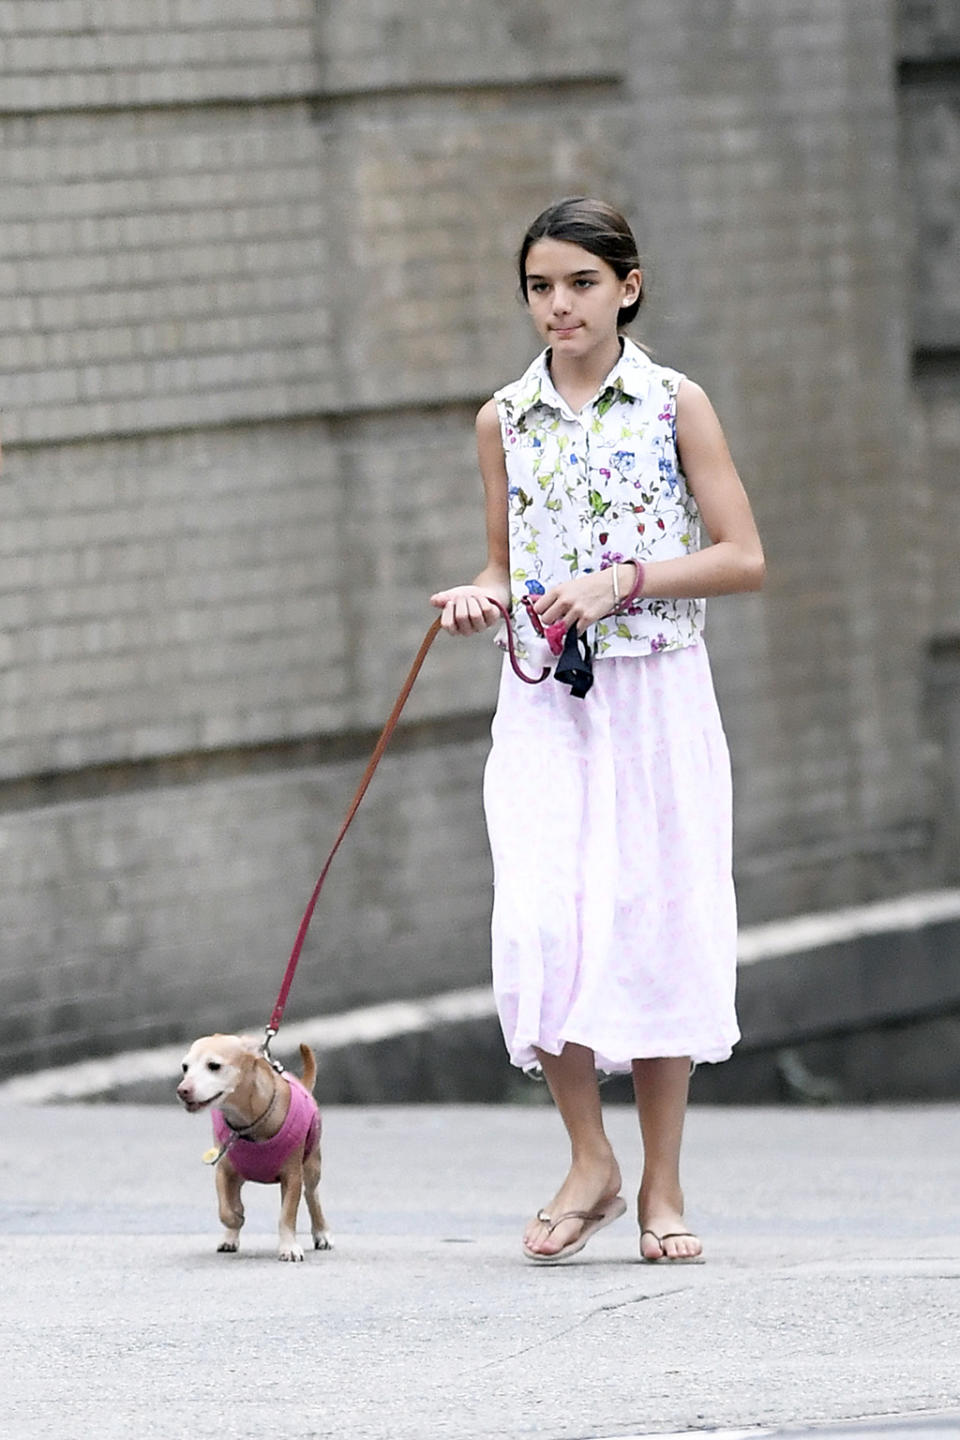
96	54
149	918
773	222
165	274
181	593
365	45
931	120
930	114
928	29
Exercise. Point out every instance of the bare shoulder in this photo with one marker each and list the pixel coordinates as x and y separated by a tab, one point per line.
488	421
699	432
489	440
693	403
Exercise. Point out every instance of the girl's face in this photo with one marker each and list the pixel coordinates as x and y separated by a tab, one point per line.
574	297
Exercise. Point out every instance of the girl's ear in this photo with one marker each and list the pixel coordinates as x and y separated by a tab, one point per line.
632	286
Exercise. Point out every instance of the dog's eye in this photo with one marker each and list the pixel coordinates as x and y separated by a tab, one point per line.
213	1065
183	1067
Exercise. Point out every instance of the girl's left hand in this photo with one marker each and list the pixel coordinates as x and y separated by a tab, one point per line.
579	602
467	609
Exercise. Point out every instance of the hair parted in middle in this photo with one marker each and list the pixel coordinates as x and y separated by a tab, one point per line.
595	227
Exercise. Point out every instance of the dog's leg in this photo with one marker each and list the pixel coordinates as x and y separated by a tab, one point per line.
229	1185
291	1188
322	1239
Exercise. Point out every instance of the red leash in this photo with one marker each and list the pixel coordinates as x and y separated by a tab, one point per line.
381	745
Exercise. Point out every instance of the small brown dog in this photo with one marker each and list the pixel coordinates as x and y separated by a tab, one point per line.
267	1127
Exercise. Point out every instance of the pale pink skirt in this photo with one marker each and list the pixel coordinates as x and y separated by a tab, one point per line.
614	919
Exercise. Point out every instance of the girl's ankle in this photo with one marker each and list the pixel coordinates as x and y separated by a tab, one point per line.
596	1165
654	1196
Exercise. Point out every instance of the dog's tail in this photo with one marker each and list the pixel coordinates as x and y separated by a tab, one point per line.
309	1066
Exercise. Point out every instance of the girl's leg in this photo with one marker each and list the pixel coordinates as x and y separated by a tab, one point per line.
661	1087
594	1174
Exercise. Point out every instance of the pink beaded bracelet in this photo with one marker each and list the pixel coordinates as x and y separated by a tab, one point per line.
620	605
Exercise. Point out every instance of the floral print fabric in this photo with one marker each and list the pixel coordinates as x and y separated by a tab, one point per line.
592	489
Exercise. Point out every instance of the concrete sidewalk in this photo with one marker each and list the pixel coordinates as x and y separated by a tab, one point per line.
831	1292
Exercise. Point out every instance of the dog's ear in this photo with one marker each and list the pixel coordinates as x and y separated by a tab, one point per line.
250	1043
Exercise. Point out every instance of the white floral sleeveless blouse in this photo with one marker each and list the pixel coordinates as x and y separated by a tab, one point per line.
587	491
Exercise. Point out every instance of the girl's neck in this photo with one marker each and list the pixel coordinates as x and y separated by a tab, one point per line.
577	378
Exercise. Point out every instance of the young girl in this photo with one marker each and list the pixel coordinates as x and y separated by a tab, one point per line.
608	808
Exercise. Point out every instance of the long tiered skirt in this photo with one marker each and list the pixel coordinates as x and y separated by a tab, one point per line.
614	918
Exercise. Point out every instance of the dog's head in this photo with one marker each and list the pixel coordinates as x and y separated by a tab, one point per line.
213	1068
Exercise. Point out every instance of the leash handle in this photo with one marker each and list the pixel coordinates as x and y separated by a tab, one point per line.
511	650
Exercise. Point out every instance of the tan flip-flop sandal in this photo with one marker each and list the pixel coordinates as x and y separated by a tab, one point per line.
593	1220
666	1259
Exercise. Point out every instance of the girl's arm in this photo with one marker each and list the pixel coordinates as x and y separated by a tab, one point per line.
732	562
466	608
734	559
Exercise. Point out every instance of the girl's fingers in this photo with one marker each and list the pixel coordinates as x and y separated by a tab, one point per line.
464	613
553	609
581	602
476	615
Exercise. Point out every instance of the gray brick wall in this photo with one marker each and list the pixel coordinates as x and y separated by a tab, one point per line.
928	29
255	277
931	115
103	54
180	593
163	275
426	313
942	414
365	45
767	141
144	918
930	110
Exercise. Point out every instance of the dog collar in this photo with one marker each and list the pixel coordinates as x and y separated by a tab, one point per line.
241	1130
213	1155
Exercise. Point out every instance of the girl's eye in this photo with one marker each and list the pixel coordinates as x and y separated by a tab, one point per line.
584	284
538	287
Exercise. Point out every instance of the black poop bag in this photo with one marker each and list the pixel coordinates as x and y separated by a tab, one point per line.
573	668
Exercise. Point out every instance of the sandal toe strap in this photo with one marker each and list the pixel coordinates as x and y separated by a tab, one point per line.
585	1215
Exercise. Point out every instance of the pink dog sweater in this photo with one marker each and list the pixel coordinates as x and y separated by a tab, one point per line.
262	1160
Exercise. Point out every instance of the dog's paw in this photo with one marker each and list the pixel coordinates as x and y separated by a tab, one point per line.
228	1247
323	1240
290	1252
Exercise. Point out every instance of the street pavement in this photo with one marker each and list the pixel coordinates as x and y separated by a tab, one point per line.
829	1305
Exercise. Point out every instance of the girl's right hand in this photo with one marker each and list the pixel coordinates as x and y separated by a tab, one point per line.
467	610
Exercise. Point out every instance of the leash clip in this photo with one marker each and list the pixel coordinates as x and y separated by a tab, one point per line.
268	1035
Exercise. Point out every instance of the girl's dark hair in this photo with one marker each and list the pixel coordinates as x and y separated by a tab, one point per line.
594	226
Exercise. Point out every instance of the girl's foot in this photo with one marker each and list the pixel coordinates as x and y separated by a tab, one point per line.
588	1185
663	1232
